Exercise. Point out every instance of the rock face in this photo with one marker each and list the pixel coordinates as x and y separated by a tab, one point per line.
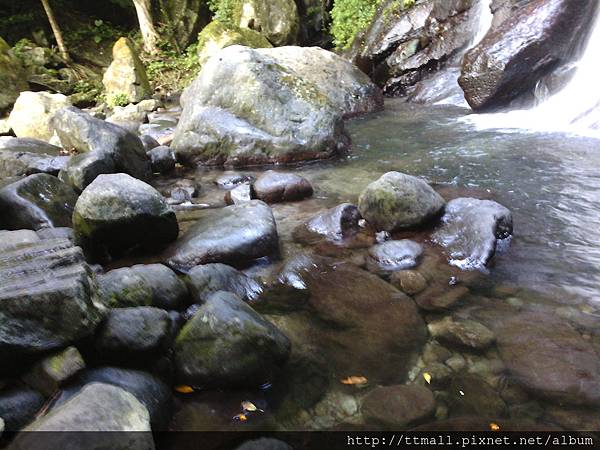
277	20
550	358
336	223
472	229
31	115
233	116
535	40
227	342
26	156
119	213
142	285
12	76
216	36
397	201
399	405
46	294
401	46
126	75
185	18
395	255
37	201
79	131
235	234
273	187
207	279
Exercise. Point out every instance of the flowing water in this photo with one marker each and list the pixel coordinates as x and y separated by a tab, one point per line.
550	182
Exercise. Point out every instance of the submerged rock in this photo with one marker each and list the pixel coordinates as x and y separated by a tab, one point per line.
273	187
46	297
471	230
227	343
410	282
37	201
18	407
235	234
207	279
32	113
336	223
79	131
395	255
531	43
118	213
398	406
549	358
142	285
462	332
397	201
299	120
126	75
25	156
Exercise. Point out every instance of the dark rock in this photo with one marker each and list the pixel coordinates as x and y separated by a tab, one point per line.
118	213
235	234
226	342
162	159
46	293
18	407
336	223
230	180
470	394
84	133
133	333
397	201
471	231
142	285
264	444
25	156
398	406
273	187
37	201
536	39
207	279
395	255
440	297
462	332
147	388
82	169
148	142
184	191
239	194
50	373
549	358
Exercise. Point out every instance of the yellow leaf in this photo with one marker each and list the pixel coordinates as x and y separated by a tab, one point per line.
494	426
250	407
240	417
427	377
354	380
184	389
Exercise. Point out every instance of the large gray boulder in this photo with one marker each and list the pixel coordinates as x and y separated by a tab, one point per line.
235	234
46	296
79	131
227	343
472	229
398	201
263	106
118	212
536	39
26	156
37	201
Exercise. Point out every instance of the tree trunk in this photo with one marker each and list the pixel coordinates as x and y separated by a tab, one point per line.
56	30
149	34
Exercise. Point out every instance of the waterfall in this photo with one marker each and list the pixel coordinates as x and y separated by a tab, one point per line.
575	108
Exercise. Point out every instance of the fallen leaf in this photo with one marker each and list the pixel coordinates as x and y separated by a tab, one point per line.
494	426
184	389
427	377
354	380
461	393
250	407
240	417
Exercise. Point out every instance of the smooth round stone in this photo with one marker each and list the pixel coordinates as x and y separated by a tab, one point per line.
410	282
467	333
398	406
396	255
273	187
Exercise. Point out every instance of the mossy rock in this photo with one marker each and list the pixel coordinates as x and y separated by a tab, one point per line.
217	35
12	76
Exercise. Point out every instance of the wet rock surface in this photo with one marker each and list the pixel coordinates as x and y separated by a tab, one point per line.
26	156
235	234
112	211
336	223
398	406
227	342
205	280
472	230
273	187
162	159
395	255
467	333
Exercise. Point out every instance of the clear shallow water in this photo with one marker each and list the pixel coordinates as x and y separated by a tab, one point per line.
551	184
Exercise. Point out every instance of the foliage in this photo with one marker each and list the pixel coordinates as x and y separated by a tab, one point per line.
224	10
349	17
98	31
171	71
117	100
